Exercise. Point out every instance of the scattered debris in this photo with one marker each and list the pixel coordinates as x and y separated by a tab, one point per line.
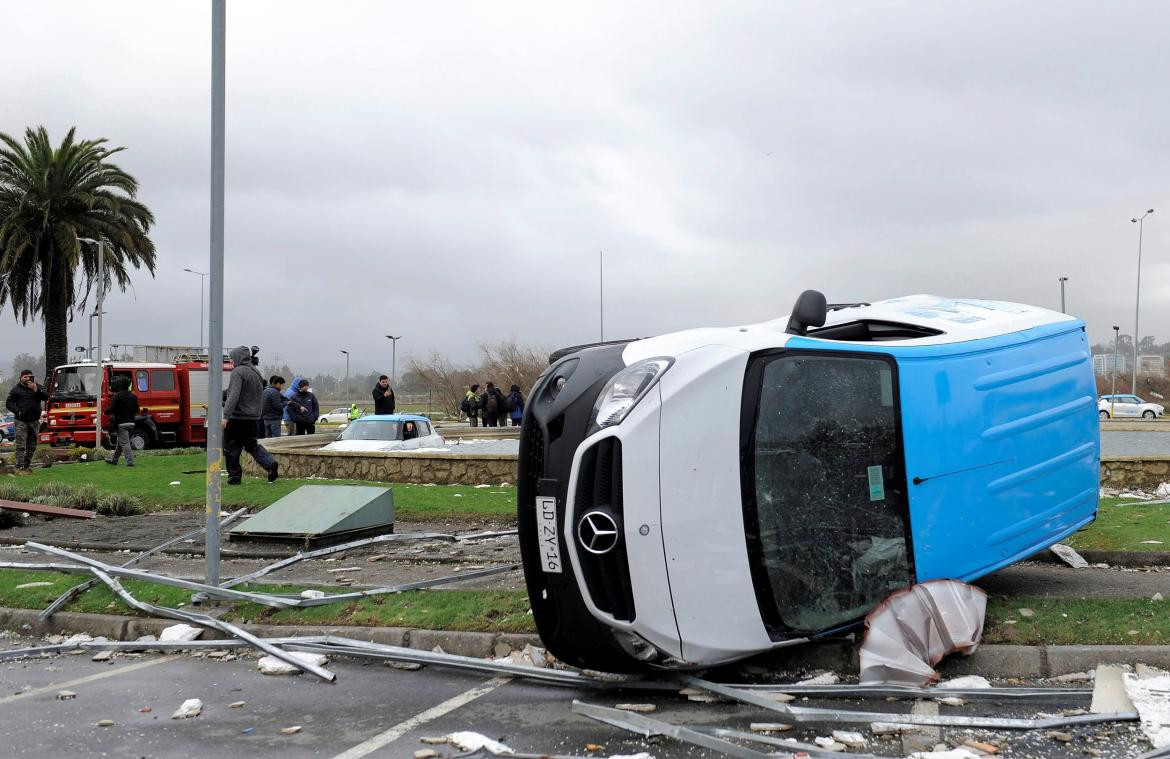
66	695
291	730
1069	556
105	723
408	666
192	707
179	632
270	665
986	748
1109	691
33	585
825	678
312	594
849	738
967	682
145	710
914	628
769	727
828	744
1073	677
471	741
951	701
237	704
426	753
434	740
639	708
944	753
102	656
1151	696
1026	613
1062	737
1156	597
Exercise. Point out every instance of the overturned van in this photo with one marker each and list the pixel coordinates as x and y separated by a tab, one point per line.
711	494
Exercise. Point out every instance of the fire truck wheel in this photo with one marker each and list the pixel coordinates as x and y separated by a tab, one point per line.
139	439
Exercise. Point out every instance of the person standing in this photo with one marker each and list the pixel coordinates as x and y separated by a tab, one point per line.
272	406
123	410
515	405
290	427
493	405
241	410
303	409
383	396
24	401
470	405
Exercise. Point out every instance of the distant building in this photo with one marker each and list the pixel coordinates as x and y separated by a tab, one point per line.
1107	363
1152	366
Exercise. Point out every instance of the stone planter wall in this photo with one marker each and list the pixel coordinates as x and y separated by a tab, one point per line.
440	469
1134	472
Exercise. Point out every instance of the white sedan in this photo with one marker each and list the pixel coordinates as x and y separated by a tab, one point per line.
336	416
1120	406
387	432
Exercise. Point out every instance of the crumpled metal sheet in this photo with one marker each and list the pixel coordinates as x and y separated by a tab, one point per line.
914	628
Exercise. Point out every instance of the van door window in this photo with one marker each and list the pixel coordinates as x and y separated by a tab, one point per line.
162	379
824	487
140	381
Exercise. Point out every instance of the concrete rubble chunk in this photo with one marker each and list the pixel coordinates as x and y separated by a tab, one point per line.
1109	691
74	640
825	678
769	727
426	753
1151	696
849	738
951	701
987	748
192	707
1026	613
180	632
1073	677
967	682
828	744
780	698
312	594
237	704
1060	736
636	708
889	728
1157	597
471	741
1069	556
105	723
291	730
270	665
102	656
65	695
501	650
434	740
954	753
54	640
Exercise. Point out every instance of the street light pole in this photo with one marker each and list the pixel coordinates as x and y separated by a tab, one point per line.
201	274
1140	221
101	293
1116	344
346	376
393	356
1062	281
601	293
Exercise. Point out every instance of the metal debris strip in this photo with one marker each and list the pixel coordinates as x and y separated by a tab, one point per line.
1158	753
788	743
136	646
803	714
416	585
216	624
487	535
910	691
648	726
77	590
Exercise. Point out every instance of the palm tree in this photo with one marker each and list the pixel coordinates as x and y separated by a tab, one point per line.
49	198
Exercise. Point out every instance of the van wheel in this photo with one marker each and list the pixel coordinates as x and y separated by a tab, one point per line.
139	440
1104	414
1148	415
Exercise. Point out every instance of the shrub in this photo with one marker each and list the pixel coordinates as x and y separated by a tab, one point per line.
10	491
85	497
119	505
52	489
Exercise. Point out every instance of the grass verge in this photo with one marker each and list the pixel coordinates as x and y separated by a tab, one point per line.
1126	525
170	482
1078	621
474	610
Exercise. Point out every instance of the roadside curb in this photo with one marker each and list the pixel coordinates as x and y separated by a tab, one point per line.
991	661
117	627
1127	559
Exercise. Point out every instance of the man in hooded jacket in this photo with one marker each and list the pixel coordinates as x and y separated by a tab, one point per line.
241	411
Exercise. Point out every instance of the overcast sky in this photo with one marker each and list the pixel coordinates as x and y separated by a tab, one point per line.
449	171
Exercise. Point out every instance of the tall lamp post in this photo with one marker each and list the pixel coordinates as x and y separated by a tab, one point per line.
1116	345
1062	281
393	356
1140	221
98	312
201	274
346	376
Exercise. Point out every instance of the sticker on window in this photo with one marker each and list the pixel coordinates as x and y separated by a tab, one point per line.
877	483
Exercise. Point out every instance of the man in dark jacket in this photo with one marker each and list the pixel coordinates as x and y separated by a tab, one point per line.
272	405
24	401
123	410
303	409
383	396
492	404
241	409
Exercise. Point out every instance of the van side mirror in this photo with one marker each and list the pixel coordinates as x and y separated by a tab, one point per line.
809	311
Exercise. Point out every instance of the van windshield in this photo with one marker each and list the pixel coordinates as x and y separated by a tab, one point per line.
76	382
824	488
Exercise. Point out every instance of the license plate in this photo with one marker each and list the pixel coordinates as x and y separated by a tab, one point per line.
547	534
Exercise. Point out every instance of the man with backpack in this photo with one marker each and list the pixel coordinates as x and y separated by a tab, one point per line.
493	405
470	405
515	405
123	410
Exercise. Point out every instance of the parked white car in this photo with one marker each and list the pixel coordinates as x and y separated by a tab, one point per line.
1127	406
387	432
336	416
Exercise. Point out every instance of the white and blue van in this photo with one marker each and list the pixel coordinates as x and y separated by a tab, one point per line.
707	495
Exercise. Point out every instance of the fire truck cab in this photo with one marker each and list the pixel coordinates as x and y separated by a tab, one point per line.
172	398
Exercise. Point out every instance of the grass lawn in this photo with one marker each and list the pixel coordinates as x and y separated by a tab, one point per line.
1124	525
151	480
1071	621
476	610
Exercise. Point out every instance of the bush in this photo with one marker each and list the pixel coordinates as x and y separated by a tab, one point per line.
85	497
51	489
10	491
119	505
170	451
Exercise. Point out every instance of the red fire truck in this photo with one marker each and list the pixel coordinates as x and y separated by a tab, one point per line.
172	399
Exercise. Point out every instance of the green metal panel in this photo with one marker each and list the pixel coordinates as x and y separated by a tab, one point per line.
323	509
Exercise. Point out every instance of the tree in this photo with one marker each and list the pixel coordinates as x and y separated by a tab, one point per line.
49	198
28	361
446	381
508	363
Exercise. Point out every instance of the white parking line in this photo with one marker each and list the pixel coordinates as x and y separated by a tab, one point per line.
402	728
83	680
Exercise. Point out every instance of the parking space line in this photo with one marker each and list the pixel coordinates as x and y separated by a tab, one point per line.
402	728
83	680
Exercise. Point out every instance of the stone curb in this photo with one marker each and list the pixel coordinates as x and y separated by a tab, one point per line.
1112	558
991	661
116	627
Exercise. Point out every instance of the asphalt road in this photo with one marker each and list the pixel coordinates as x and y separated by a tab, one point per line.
376	711
1134	443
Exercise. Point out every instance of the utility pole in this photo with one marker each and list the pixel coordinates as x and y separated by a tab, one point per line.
1062	281
1137	335
1116	345
601	291
101	383
215	306
346	391
393	358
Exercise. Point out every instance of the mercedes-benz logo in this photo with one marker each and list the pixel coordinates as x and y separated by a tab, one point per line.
597	532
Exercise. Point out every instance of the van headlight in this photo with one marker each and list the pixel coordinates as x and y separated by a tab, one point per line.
625	390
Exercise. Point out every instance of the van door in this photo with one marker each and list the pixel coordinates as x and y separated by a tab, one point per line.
824	487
